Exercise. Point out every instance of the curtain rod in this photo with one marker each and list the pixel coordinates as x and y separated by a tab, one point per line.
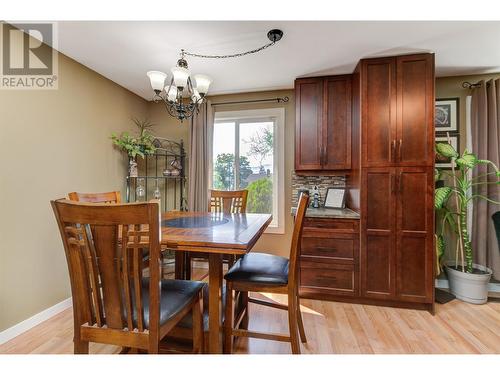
468	85
279	100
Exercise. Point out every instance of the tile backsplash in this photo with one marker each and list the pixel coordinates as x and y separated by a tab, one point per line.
308	182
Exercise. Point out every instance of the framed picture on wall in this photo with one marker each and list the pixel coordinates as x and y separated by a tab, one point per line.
441	161
446	115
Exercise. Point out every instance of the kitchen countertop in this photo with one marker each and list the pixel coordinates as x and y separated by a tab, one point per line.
330	213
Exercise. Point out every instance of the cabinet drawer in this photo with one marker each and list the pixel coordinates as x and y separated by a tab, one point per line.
339	225
342	248
330	278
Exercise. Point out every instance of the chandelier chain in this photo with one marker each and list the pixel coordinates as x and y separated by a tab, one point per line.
183	52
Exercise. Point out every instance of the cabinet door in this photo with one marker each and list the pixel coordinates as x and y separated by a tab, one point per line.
309	123
377	264
415	234
415	113
337	127
378	112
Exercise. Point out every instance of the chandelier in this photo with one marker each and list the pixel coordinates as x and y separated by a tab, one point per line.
182	98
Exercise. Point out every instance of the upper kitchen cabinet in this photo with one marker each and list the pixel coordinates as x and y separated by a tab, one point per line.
309	124
323	123
397	109
337	124
415	113
378	111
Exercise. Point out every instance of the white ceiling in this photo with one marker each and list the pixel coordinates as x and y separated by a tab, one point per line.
124	51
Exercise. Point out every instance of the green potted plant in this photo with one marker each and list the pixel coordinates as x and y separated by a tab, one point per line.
468	281
134	146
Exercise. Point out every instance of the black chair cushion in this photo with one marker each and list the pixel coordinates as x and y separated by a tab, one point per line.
175	295
260	268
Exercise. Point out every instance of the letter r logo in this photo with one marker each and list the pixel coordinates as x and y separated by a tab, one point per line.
26	49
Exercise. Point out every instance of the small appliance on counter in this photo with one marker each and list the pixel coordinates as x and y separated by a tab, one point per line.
315	196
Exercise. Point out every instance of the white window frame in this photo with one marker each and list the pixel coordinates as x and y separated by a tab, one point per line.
278	115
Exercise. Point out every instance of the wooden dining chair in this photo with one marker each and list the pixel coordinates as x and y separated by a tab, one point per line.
109	197
112	302
226	202
266	273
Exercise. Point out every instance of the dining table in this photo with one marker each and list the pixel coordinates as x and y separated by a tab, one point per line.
215	234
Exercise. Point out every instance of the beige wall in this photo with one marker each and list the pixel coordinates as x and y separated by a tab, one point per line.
451	87
51	143
165	125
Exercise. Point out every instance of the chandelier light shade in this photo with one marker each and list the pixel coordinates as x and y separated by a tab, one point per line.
181	97
181	76
171	93
202	83
157	80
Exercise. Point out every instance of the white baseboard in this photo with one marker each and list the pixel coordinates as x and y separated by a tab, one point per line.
29	323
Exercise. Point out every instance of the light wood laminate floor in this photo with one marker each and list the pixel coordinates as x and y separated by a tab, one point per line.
331	327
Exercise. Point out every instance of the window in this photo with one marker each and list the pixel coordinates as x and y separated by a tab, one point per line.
248	154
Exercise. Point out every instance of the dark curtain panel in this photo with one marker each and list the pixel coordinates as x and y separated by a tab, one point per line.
485	120
200	158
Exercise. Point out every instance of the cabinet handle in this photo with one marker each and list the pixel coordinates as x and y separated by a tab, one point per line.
393	150
329	249
400	182
400	145
393	183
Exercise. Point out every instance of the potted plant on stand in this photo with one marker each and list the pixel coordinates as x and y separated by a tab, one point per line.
134	146
468	281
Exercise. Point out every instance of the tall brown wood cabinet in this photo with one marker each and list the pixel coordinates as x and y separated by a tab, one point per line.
323	131
390	178
396	118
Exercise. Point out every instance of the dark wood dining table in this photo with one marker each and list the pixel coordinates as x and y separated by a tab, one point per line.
215	234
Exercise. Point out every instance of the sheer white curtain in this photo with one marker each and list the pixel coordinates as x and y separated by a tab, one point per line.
200	158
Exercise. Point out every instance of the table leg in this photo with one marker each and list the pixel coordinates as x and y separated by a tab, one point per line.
214	302
180	265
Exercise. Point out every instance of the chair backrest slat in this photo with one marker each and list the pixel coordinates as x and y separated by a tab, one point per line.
126	279
104	246
93	269
296	239
108	197
78	273
228	202
137	261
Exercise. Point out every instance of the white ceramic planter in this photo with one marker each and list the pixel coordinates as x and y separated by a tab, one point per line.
469	287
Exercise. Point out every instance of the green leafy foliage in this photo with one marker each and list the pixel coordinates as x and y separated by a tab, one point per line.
224	178
463	189
446	150
467	160
134	146
441	196
260	196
